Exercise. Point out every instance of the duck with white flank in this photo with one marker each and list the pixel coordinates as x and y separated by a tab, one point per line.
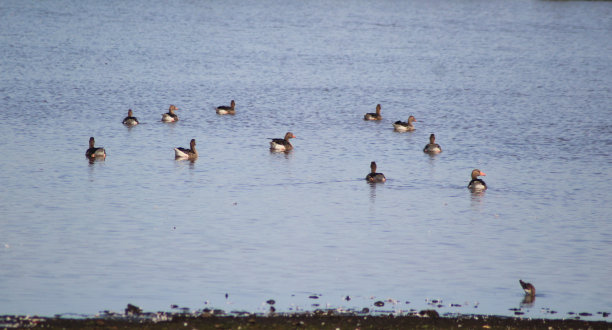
373	116
227	110
406	126
282	144
130	120
432	147
170	116
373	176
477	184
183	153
94	152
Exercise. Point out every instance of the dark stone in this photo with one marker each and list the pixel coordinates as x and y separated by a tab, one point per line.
429	313
132	310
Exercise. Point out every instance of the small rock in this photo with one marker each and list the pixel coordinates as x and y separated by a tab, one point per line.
585	314
313	297
379	304
132	310
429	313
347	298
271	302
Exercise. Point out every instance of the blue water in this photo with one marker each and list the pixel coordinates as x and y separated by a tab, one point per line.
519	89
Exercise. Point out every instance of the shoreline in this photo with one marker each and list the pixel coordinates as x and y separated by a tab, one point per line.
134	318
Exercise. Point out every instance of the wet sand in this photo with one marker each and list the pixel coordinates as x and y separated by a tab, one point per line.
217	319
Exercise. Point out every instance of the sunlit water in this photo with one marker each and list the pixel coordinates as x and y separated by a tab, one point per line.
519	89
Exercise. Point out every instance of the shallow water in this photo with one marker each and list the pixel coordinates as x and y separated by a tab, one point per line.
518	89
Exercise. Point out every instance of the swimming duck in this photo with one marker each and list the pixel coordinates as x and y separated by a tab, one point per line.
170	116
373	116
477	184
373	176
406	126
225	110
432	147
94	152
130	120
282	144
182	153
528	288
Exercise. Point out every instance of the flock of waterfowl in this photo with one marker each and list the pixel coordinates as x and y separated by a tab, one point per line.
284	145
432	148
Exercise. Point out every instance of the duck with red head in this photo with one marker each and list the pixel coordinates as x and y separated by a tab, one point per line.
184	153
373	116
477	184
401	126
130	120
227	110
373	176
94	152
170	116
282	144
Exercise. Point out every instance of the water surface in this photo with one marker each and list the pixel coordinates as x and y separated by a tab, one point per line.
520	90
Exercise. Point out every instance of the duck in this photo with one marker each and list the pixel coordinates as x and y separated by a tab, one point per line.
94	152
225	110
477	184
170	116
528	288
432	147
406	126
373	116
183	153
282	144
130	120
373	176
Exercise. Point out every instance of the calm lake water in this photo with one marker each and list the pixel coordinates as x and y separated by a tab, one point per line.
521	90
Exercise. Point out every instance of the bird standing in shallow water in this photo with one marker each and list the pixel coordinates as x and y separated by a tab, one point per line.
477	184
373	176
282	144
183	153
528	288
130	120
94	152
373	116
